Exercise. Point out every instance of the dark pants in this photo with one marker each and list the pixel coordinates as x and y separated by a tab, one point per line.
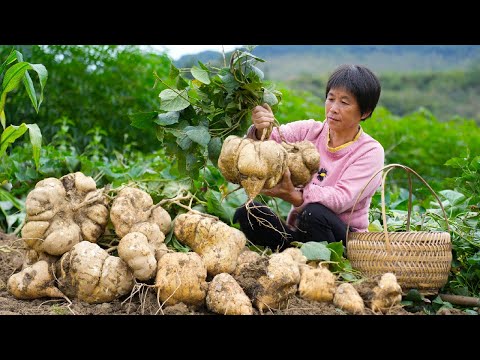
315	223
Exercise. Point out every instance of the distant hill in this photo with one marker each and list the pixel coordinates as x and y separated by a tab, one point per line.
286	62
442	78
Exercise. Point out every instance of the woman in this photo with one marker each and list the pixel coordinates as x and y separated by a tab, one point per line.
348	158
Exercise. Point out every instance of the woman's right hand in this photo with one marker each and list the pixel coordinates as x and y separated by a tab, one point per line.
262	117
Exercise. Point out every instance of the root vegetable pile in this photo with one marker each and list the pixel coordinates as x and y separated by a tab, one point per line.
221	274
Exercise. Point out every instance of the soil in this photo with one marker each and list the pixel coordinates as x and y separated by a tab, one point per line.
142	300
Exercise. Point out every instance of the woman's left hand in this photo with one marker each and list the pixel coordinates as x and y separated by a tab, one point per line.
285	190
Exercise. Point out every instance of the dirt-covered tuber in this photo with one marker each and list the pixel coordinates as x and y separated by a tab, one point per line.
347	298
181	277
218	244
62	212
226	297
387	294
90	274
34	282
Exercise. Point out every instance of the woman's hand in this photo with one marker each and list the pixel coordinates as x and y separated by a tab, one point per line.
262	118
285	190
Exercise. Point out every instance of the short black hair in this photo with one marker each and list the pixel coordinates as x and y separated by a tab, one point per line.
360	81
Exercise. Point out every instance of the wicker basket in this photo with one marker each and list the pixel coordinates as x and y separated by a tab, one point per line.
420	259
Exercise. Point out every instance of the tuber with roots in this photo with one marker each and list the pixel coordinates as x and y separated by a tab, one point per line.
387	294
34	282
181	277
90	274
347	298
62	212
270	282
226	297
258	165
218	244
255	165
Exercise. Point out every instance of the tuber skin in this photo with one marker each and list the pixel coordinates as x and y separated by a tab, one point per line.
90	274
181	277
255	165
317	284
218	244
387	294
347	298
303	161
139	255
132	206
33	282
226	297
279	284
62	212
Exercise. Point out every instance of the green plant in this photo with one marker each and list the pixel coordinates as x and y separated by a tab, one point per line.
197	114
11	76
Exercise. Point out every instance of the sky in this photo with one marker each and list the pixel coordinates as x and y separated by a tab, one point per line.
177	51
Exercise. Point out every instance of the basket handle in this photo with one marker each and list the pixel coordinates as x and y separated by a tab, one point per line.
387	169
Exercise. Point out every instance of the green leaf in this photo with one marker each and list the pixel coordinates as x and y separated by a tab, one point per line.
453	197
36	141
174	72
168	118
198	134
3	120
375	226
9	135
184	141
143	120
229	82
256	71
215	207
173	101
337	251
314	250
200	75
214	149
10	59
42	77
181	83
269	97
27	81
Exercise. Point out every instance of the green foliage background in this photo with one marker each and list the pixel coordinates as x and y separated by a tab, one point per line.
92	90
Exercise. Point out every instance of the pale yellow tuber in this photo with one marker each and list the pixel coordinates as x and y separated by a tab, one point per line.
226	297
387	294
255	165
316	284
181	277
132	206
218	244
62	212
348	299
139	255
90	274
303	161
34	282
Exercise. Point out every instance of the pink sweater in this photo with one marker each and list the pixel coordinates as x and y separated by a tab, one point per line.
347	171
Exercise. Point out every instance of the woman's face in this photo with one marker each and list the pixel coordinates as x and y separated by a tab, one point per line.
342	110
